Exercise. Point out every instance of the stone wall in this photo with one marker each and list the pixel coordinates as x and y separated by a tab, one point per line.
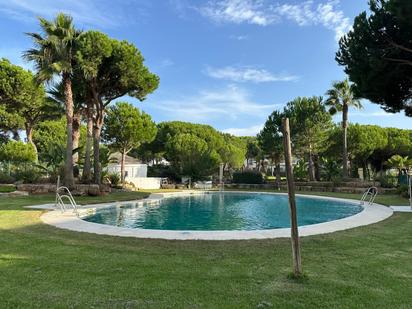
79	189
317	186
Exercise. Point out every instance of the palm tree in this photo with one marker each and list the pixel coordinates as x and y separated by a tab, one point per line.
340	97
402	164
53	56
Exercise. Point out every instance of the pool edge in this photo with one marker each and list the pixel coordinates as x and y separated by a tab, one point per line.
69	221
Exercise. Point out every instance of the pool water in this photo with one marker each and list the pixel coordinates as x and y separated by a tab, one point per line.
223	211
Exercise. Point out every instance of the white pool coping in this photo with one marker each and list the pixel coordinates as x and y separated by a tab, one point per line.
70	221
401	208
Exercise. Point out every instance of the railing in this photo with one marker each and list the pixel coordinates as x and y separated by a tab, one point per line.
64	192
369	194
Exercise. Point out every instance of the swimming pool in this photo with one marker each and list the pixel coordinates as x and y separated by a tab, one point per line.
223	212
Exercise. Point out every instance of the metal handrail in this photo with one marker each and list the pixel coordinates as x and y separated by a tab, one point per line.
372	192
66	194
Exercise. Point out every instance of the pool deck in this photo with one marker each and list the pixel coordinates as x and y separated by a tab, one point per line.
401	208
69	220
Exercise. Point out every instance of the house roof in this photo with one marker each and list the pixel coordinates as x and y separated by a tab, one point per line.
117	156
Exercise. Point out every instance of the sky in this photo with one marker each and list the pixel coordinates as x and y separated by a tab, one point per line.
226	63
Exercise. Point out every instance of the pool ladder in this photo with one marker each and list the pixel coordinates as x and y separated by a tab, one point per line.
64	192
370	195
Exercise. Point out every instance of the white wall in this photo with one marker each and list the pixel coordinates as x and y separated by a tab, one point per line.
145	182
132	170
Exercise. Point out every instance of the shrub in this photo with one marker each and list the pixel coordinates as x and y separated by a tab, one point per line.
403	191
162	171
388	181
7	189
6	178
248	177
114	179
300	170
17	152
28	175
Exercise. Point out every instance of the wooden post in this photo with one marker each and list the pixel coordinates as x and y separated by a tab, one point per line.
297	267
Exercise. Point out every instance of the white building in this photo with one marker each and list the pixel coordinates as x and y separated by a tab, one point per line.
135	172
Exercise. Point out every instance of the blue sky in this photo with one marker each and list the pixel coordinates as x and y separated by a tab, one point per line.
227	63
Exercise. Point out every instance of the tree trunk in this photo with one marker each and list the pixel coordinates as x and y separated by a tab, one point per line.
68	172
29	135
311	170
76	135
122	172
97	129
345	140
16	135
317	167
278	178
89	141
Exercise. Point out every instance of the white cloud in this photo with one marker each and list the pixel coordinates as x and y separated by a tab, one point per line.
239	37
237	11
249	131
247	74
231	102
325	14
262	13
166	62
83	12
381	113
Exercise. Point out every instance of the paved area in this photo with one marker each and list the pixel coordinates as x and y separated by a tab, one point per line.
401	208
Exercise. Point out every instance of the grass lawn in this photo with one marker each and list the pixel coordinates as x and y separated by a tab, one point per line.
7	188
42	266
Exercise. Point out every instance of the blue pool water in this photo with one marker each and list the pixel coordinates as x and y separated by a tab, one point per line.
223	211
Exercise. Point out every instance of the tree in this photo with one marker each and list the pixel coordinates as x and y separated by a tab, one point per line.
232	152
53	55
57	95
402	164
270	140
252	152
126	128
111	70
363	141
17	152
211	146
24	98
50	139
192	156
10	123
340	98
377	54
310	123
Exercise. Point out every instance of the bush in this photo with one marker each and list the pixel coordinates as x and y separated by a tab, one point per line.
300	170
403	191
114	179
162	171
6	178
17	152
248	177
28	175
7	189
388	181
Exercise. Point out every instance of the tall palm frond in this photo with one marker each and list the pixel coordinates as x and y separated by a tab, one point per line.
342	92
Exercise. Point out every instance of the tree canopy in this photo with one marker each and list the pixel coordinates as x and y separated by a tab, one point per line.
377	54
17	152
126	127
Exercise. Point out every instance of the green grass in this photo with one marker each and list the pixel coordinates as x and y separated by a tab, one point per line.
384	199
45	267
7	188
